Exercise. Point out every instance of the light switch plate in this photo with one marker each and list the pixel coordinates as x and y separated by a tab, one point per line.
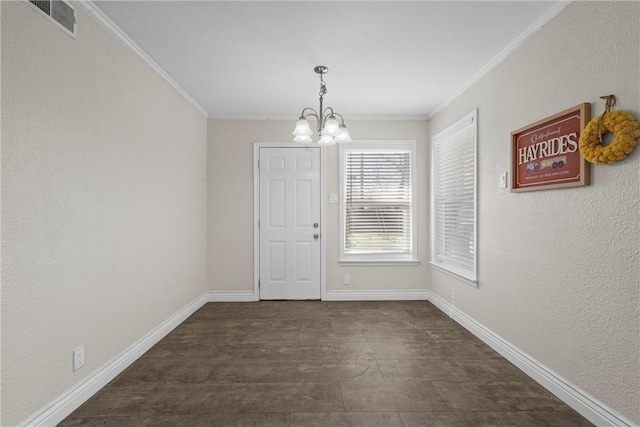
333	198
503	180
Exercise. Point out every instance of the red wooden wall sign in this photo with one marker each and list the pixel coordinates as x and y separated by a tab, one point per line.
545	154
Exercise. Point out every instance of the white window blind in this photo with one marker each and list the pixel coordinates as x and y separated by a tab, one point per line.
453	207
378	201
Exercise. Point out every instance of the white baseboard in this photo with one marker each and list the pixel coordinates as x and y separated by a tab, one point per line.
376	295
589	407
61	407
330	296
583	403
230	297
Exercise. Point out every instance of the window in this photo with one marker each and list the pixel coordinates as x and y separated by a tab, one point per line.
453	199
378	202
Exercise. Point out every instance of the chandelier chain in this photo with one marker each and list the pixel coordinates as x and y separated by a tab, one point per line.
323	86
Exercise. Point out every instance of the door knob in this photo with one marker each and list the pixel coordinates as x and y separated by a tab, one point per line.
315	225
316	236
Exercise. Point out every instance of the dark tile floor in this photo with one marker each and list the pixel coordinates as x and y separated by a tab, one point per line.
312	363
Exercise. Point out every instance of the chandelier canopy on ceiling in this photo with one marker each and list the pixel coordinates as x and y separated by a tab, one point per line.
329	129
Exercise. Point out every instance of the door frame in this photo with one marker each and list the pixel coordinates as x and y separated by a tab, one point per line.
256	213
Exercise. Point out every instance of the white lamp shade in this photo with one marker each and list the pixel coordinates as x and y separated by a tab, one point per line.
344	135
331	127
302	139
326	140
302	128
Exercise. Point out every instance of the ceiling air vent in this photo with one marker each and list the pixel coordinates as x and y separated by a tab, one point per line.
60	12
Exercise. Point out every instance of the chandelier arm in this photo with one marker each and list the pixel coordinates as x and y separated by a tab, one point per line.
339	115
327	113
312	113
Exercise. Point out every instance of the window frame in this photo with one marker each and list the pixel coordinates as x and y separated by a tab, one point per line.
379	259
469	121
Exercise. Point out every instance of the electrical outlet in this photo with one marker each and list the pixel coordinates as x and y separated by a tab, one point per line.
347	279
78	358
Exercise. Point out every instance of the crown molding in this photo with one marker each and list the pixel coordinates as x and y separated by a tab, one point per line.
92	10
504	54
294	117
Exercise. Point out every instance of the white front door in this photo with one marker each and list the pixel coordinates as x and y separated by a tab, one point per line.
289	223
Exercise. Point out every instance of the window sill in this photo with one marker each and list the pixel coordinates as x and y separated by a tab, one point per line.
379	263
441	269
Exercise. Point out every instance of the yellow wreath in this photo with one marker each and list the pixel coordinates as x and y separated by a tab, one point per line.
625	132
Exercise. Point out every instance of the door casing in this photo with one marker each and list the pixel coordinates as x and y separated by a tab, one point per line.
256	214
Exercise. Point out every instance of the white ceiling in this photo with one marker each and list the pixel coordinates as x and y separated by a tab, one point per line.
386	59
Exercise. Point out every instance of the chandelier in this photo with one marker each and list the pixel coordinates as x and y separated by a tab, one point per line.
329	129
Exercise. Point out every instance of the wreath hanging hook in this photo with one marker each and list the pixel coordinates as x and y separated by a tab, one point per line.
611	101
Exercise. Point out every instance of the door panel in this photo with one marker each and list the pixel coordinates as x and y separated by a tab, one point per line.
276	213
276	262
289	219
304	261
304	205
